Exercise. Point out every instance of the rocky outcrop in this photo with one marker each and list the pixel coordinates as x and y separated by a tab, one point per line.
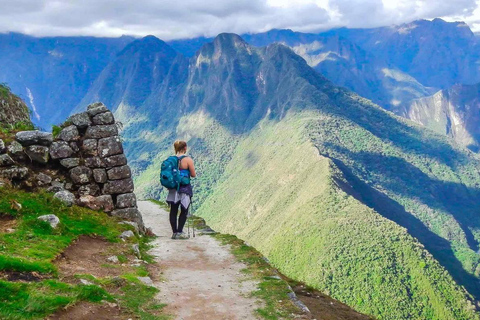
12	109
83	165
454	111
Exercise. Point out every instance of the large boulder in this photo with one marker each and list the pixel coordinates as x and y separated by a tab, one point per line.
38	153
104	118
28	138
81	175
81	120
118	186
6	160
70	162
14	173
65	196
69	133
118	173
127	200
131	214
115	161
102	131
96	108
60	150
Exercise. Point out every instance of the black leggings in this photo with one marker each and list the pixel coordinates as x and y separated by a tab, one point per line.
173	217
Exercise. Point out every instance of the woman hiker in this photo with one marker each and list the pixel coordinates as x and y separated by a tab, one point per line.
182	197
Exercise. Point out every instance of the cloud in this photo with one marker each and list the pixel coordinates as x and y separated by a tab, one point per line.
170	19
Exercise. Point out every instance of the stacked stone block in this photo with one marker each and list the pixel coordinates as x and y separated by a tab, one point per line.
90	152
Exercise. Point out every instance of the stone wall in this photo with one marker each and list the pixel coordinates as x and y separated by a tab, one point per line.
84	164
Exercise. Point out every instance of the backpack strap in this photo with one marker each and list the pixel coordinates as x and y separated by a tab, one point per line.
180	160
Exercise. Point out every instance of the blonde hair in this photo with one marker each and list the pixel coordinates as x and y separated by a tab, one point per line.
179	146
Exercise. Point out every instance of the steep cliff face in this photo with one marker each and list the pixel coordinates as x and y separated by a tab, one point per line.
340	60
12	109
454	111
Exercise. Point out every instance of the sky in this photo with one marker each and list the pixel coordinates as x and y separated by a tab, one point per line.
177	19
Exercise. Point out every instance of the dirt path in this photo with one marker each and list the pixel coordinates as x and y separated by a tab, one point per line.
202	279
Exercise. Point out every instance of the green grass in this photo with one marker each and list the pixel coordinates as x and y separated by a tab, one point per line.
4	91
56	130
7	131
273	292
139	298
34	245
37	300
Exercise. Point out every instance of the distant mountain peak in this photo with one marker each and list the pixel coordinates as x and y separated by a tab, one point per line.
149	44
228	40
437	25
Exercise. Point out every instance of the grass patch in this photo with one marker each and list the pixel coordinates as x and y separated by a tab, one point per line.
140	299
34	245
274	292
37	300
4	91
56	130
8	131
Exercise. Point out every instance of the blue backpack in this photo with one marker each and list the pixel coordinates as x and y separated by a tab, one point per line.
171	177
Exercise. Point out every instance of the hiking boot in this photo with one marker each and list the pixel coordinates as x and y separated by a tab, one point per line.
174	236
182	236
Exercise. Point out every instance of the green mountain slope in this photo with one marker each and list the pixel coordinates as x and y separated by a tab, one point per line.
291	204
382	176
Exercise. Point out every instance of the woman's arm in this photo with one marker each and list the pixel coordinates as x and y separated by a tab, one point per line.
191	168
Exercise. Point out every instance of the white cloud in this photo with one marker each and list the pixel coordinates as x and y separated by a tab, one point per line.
170	19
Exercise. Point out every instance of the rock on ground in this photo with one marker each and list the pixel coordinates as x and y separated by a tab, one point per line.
127	234
28	138
51	219
66	197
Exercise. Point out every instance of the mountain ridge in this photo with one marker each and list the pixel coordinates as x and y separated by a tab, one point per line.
232	90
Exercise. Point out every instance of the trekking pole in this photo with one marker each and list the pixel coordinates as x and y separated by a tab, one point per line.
188	226
191	217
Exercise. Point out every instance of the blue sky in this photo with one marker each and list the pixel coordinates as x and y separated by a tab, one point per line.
168	19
